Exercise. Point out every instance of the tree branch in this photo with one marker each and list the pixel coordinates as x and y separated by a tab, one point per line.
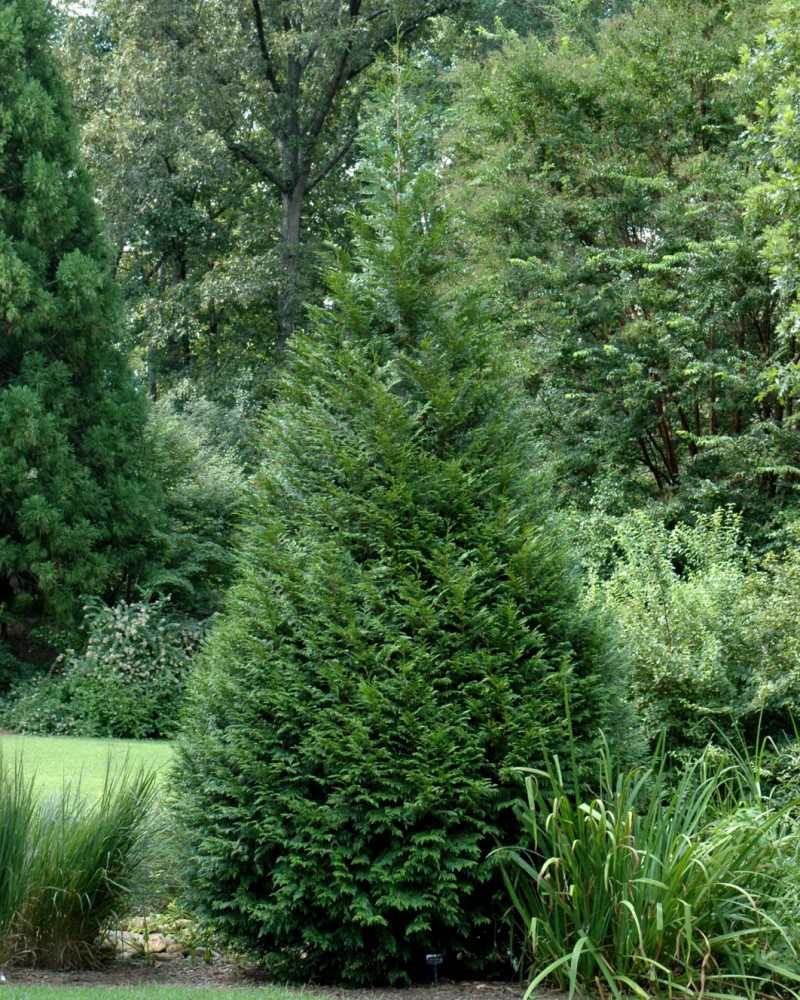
306	60
252	157
651	465
393	29
409	26
659	451
328	166
345	71
335	83
269	72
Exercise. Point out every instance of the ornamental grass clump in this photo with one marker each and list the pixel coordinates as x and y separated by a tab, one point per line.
17	820
68	867
661	884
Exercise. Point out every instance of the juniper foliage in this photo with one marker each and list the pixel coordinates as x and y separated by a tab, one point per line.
401	634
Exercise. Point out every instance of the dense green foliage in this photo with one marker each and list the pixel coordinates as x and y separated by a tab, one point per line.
661	883
127	683
601	182
68	866
606	315
193	240
75	502
710	631
219	184
403	631
772	72
197	458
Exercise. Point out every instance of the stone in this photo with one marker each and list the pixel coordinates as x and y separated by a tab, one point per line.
155	943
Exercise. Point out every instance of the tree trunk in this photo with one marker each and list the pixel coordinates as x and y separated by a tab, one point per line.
289	292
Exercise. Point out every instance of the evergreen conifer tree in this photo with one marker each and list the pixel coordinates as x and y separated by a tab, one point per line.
74	501
401	635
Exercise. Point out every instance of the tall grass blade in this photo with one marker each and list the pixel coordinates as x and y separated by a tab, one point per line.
659	883
68	866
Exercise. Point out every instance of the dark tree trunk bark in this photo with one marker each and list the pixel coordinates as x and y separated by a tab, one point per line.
289	292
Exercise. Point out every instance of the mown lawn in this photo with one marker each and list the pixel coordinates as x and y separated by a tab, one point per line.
57	760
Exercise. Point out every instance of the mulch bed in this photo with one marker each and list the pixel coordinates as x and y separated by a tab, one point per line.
137	972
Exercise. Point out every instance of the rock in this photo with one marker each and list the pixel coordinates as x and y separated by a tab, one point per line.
122	940
154	944
175	947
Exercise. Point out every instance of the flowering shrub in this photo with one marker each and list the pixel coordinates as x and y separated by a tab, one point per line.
128	683
40	705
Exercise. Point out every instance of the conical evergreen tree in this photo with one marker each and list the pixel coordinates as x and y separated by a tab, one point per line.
73	500
404	627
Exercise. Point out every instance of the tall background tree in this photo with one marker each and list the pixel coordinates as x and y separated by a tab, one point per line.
192	236
233	139
602	180
76	503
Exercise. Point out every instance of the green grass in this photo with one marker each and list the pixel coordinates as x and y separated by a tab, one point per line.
59	760
145	993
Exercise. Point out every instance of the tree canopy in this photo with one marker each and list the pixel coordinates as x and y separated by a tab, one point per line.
603	184
233	129
75	501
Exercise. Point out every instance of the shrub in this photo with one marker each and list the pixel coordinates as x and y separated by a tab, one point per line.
657	884
68	867
203	486
405	622
130	680
128	683
40	705
711	633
